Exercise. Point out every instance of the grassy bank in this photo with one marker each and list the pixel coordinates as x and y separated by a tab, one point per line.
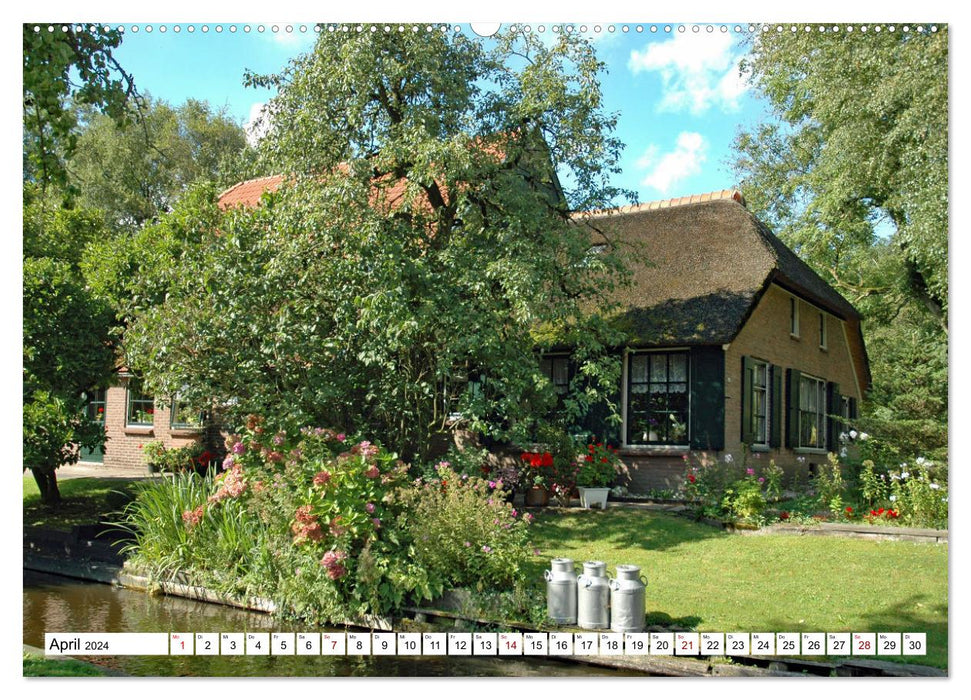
702	578
83	501
37	665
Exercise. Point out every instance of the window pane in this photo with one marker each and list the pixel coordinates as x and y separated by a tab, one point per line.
659	368
141	406
561	375
679	367
657	399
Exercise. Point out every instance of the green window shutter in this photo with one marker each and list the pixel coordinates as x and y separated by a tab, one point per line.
832	416
707	421
793	377
748	371
775	407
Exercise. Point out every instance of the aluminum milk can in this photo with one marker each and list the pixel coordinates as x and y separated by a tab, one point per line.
627	593
561	592
593	596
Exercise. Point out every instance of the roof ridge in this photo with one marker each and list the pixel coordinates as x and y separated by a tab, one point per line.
729	194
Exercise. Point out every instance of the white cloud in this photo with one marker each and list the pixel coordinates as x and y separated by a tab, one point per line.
258	124
666	170
698	71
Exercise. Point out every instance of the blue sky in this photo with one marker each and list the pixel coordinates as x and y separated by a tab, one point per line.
678	93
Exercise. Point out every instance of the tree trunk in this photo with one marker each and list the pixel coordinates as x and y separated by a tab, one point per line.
47	483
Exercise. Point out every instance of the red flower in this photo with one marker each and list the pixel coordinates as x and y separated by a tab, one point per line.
849	510
691	478
784	515
589	458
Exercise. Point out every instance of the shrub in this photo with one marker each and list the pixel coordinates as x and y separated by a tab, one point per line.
329	529
830	487
730	490
190	457
920	499
464	531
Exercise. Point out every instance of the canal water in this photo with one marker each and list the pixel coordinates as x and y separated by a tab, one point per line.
57	604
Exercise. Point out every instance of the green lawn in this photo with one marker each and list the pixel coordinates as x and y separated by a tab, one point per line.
702	578
36	665
83	501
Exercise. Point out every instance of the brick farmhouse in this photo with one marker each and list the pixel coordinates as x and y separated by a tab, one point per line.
735	344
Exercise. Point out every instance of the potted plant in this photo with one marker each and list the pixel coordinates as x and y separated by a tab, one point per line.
536	476
154	452
597	470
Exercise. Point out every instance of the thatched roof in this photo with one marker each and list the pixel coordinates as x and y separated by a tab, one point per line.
700	265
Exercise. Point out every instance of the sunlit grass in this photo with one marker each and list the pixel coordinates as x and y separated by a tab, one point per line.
702	578
83	501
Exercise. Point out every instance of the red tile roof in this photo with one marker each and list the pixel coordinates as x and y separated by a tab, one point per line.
248	193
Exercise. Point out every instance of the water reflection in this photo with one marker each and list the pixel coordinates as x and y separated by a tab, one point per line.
56	604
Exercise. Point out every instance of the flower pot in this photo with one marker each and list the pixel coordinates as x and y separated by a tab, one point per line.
593	497
537	496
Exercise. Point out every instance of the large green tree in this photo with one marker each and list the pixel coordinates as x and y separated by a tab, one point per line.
422	242
67	332
67	341
136	171
65	63
851	171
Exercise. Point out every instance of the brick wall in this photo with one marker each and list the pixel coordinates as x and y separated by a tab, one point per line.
123	449
766	337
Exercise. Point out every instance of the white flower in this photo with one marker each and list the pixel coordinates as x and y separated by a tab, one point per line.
904	475
903	465
892	498
944	500
843	437
864	436
843	452
935	486
920	461
729	459
801	460
853	434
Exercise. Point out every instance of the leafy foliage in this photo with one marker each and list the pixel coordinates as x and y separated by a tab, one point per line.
399	283
134	172
328	529
67	351
53	59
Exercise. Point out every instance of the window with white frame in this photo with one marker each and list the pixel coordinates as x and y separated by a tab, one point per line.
793	317
822	330
812	412
657	398
141	406
183	417
759	416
